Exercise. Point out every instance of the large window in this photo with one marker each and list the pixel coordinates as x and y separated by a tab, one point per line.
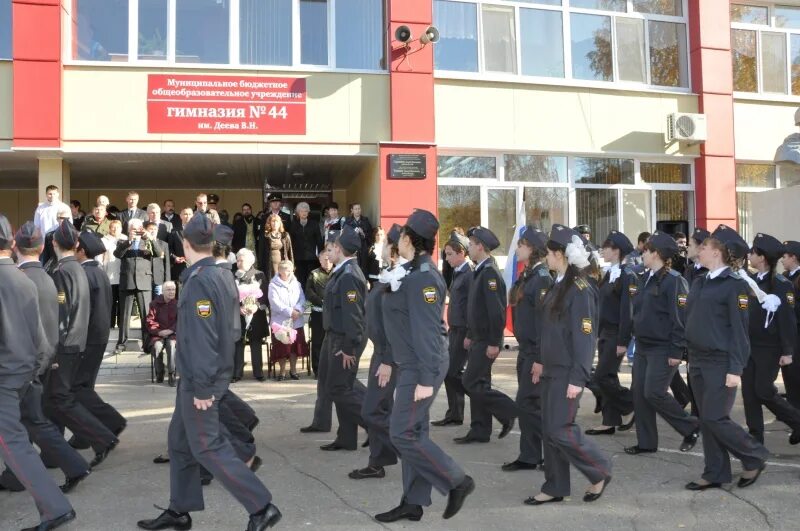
5	29
360	48
101	30
314	36
459	206
265	32
202	31
627	41
153	30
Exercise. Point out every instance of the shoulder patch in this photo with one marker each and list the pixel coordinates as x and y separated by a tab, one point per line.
586	325
492	284
632	289
682	298
203	308
62	297
581	284
790	298
674	273
744	301
352	296
425	268
543	272
430	295
348	268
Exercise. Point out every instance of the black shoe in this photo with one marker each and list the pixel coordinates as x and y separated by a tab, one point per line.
253	425
447	422
628	425
166	520
206	481
256	464
294	376
54	523
264	519
746	482
608	431
334	446
365	444
455	500
513	466
171	379
635	450
794	438
507	426
71	483
690	440
469	439
160	378
260	378
279	378
591	496
699	486
119	348
78	444
369	472
312	429
534	501
404	511
101	456
160	459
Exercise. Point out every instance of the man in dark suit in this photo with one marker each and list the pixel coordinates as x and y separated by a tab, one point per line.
135	278
164	228
161	260
132	211
168	214
275	201
176	253
306	243
363	228
246	230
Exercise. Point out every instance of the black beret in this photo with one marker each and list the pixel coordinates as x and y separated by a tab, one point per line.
213	198
65	235
663	242
620	241
536	237
199	230
393	236
28	236
458	239
423	223
349	240
274	197
563	235
582	229
734	243
223	235
699	235
6	233
769	245
484	236
332	236
792	247
91	244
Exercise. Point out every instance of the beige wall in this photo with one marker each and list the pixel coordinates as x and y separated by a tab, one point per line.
760	128
6	104
512	116
774	212
18	205
366	190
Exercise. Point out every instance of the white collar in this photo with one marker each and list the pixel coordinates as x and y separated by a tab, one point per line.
795	270
341	264
559	278
697	265
27	261
717	272
761	275
463	266
481	262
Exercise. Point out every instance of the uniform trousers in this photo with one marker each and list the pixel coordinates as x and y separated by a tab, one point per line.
317	337
376	412
84	388
343	388
721	435
323	407
652	375
18	454
425	465
195	440
791	380
455	371
617	400
758	389
484	402
240	408
46	436
529	402
126	299
564	441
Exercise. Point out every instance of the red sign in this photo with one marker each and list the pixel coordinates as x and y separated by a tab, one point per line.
226	105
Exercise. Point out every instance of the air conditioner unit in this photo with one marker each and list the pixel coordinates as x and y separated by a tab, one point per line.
689	128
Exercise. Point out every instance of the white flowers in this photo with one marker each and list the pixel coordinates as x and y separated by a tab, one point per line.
576	253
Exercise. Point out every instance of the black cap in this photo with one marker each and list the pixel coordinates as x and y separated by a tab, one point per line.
582	229
423	223
199	230
536	237
332	236
563	235
213	198
734	243
699	235
393	236
349	239
274	197
28	236
223	235
663	242
620	241
6	233
459	239
65	235
484	236
771	246
789	246
91	244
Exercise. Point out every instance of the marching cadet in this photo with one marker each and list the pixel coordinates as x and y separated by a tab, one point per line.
455	253
773	338
694	269
205	363
382	378
526	299
791	372
616	288
567	344
716	335
659	308
415	307
345	338
486	323
23	344
74	300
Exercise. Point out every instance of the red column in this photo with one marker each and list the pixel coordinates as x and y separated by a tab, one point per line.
412	112
37	73
712	80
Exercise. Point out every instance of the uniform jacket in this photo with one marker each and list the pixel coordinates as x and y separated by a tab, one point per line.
781	334
459	296
315	288
240	233
793	279
136	268
161	262
659	312
23	344
48	309
568	339
100	301
717	321
417	335
343	312
486	307
692	273
284	297
176	250
375	328
306	240
615	305
73	305
530	290
366	228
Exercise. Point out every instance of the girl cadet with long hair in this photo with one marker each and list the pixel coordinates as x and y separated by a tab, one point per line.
717	320
568	335
415	307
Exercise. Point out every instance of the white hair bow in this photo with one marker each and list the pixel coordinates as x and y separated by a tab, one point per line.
394	277
576	253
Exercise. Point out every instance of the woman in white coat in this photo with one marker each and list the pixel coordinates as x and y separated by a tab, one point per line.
286	305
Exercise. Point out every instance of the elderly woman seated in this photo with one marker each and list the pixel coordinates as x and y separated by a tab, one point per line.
286	305
254	315
162	322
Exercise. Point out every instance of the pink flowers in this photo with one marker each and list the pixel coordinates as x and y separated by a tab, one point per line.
284	333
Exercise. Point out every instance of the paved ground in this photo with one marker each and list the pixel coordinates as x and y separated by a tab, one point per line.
312	489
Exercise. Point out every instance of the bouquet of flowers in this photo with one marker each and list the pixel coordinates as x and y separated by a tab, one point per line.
284	333
249	293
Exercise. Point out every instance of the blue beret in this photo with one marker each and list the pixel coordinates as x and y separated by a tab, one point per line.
223	235
620	241
65	235
663	242
393	236
484	236
791	247
332	236
536	237
91	244
458	239
699	235
423	223
199	230
769	245
734	243
28	236
349	240
563	235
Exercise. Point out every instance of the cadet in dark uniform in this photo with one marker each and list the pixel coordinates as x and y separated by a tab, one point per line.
345	338
526	299
22	344
659	314
415	308
74	308
455	252
567	344
486	323
205	363
791	373
773	338
382	378
716	334
617	287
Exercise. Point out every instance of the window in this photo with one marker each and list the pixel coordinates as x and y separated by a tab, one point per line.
744	211
603	171
202	31
669	66
673	205
545	206
659	7
755	175
5	29
359	34
314	32
152	30
636	211
749	14
467	167
541	42
499	46
536	168
598	209
265	32
743	44
101	30
502	216
773	59
630	50
787	17
609	5
592	57
459	206
457	48
658	173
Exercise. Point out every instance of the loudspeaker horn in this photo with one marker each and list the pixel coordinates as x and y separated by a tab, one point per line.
403	34
431	36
